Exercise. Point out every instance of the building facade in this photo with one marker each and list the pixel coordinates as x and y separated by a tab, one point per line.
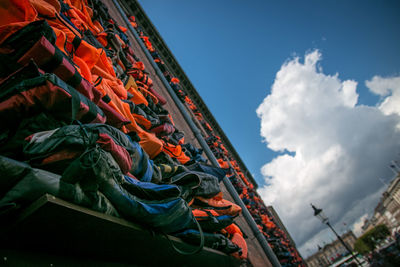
332	252
387	211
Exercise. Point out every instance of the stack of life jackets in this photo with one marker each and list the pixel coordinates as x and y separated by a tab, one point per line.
81	116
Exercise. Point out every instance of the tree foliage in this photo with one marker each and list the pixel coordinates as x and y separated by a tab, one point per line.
368	241
361	247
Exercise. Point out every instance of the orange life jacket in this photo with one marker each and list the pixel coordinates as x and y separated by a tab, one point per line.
232	229
137	97
147	43
176	152
199	213
220	205
16	11
149	142
239	240
175	80
132	20
145	91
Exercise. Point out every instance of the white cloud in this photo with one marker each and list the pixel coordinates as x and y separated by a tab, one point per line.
389	88
359	224
340	149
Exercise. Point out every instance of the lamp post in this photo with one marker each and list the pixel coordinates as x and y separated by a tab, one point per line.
324	219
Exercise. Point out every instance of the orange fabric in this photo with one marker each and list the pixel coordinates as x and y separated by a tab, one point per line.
270	225
138	65
62	155
225	207
234	229
118	88
64	31
244	191
198	213
223	164
175	80
141	77
148	141
175	152
77	18
97	70
222	147
116	84
7	30
240	242
84	14
123	29
47	8
170	118
234	164
120	106
83	68
65	26
138	97
122	43
219	196
146	92
198	116
142	121
102	38
61	39
147	42
105	64
98	26
88	53
132	20
64	36
134	24
90	60
14	11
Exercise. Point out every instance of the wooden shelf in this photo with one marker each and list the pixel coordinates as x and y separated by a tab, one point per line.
65	233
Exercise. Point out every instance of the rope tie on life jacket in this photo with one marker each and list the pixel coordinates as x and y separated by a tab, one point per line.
197	250
89	159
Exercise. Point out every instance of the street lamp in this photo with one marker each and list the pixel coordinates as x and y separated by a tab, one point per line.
324	219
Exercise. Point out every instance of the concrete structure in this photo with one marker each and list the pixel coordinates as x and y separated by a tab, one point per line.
332	252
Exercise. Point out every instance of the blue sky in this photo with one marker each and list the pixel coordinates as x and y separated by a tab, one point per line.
233	50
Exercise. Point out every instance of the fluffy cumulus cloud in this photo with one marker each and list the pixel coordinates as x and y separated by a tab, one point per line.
389	90
357	226
333	151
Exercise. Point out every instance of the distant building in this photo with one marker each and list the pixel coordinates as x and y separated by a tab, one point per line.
332	252
387	211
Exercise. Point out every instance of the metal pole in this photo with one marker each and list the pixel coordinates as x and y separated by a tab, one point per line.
246	214
344	244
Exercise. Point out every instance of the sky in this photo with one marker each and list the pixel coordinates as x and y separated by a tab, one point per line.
308	92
